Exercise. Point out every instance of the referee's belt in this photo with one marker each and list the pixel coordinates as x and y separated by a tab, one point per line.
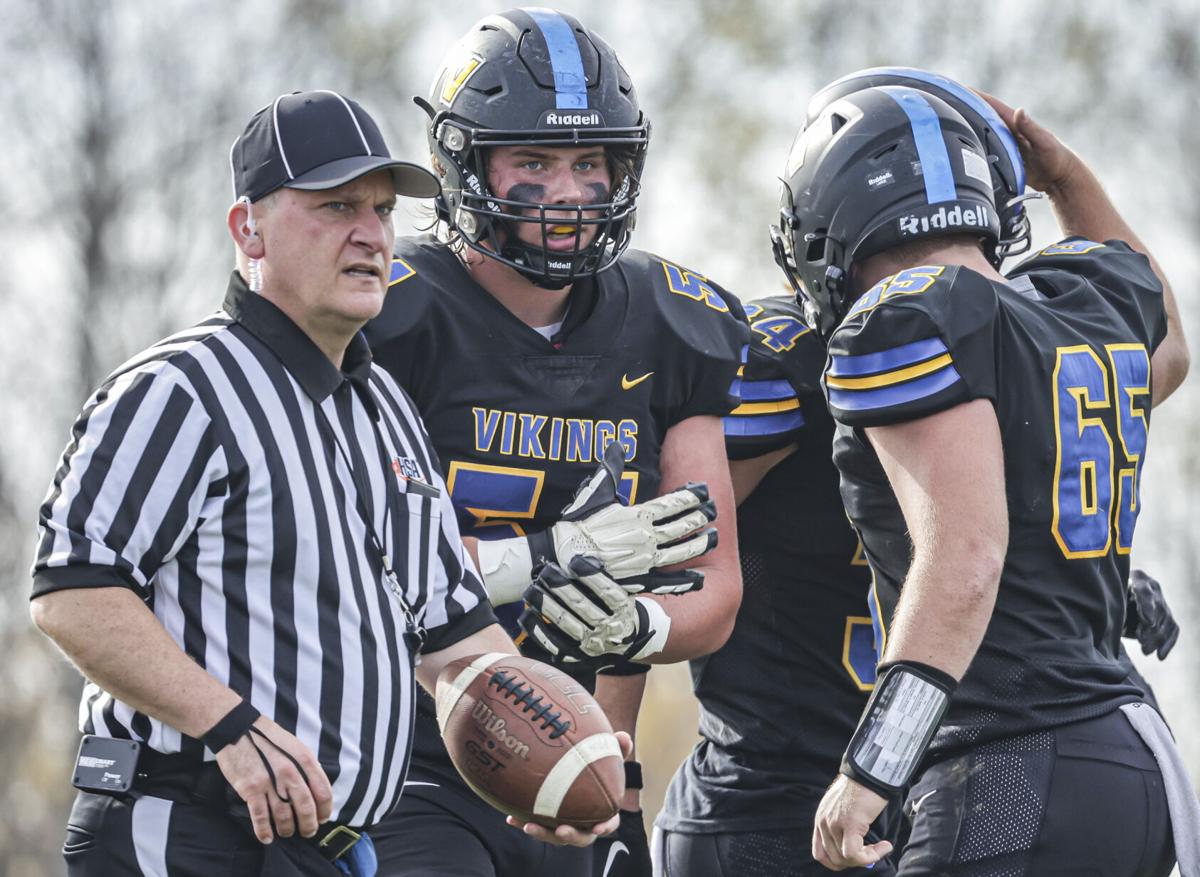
181	779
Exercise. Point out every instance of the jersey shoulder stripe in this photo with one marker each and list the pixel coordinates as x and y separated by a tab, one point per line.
765	424
767	391
889	396
914	344
901	358
782	363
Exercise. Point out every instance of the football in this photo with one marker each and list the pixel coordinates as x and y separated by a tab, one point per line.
530	740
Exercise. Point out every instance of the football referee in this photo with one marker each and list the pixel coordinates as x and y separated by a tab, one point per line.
248	541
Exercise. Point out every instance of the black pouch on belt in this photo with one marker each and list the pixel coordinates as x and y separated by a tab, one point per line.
105	764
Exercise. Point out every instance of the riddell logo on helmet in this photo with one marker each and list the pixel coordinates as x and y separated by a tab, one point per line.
589	119
956	217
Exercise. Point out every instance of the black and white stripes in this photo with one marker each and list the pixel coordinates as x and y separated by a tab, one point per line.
206	475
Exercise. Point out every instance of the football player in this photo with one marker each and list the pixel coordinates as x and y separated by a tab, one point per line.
542	352
990	436
802	643
780	699
1148	618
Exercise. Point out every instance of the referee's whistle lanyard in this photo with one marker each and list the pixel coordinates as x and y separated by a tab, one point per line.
414	633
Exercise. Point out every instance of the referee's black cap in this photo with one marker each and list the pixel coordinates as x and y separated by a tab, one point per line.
317	140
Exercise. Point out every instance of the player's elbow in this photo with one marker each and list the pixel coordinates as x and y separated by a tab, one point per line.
1171	363
717	632
722	617
981	570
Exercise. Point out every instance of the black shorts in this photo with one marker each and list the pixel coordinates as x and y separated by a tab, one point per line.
1084	800
778	853
109	836
439	829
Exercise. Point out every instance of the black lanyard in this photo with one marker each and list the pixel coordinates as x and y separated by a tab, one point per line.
414	633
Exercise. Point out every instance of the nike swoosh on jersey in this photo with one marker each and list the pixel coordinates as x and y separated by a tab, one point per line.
617	847
627	384
921	800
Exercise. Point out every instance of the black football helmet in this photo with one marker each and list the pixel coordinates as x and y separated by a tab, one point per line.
880	167
1004	157
535	77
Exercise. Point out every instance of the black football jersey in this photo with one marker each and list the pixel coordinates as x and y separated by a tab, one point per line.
780	699
519	421
1063	353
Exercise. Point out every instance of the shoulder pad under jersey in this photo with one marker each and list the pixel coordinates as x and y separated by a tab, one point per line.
698	323
916	343
1123	276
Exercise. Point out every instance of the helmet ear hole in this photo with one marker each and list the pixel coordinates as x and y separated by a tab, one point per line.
815	251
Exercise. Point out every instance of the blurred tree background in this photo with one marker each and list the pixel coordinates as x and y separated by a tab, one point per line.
120	117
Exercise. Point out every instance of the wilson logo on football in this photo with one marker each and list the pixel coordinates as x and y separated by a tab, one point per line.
956	217
496	726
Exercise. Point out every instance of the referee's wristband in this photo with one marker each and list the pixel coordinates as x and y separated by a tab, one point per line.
904	711
231	728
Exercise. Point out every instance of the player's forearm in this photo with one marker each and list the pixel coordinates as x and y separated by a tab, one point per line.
115	641
947	471
702	621
1083	208
946	605
621	699
746	475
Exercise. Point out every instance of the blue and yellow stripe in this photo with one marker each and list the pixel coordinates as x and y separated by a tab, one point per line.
891	377
768	408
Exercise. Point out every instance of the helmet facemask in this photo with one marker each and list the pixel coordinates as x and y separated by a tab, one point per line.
491	225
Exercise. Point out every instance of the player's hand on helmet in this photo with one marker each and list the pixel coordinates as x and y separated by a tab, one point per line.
583	615
567	835
1049	163
632	542
1148	617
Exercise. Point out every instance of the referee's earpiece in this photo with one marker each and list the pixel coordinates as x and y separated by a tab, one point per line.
249	227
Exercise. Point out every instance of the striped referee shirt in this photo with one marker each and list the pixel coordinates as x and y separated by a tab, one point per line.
227	475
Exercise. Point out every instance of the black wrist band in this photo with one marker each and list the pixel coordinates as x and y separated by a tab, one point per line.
897	726
633	775
541	548
229	729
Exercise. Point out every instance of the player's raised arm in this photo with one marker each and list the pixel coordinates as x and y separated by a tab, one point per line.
1083	208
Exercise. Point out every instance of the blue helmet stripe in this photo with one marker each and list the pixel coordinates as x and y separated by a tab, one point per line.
965	95
931	144
570	83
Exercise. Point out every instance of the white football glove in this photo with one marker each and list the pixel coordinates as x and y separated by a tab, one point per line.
630	542
584	616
